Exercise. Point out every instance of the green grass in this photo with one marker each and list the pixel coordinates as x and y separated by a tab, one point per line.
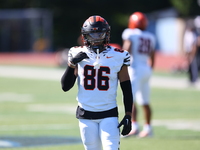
37	106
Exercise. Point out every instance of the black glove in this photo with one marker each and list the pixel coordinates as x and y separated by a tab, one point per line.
126	121
79	57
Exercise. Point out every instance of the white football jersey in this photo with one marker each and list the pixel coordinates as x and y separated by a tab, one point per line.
97	86
143	42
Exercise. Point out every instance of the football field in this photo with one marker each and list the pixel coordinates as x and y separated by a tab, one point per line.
36	114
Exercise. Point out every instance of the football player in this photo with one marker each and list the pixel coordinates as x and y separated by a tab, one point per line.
190	47
140	44
98	67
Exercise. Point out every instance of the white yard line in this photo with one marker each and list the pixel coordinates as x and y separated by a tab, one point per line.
31	72
57	108
15	97
178	124
173	83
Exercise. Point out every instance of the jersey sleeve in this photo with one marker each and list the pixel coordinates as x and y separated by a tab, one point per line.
126	34
73	52
127	58
70	54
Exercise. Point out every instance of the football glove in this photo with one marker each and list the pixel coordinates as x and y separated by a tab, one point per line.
79	57
126	122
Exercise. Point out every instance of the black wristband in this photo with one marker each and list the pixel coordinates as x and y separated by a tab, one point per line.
68	79
127	95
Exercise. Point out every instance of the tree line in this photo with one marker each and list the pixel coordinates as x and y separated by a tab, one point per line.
69	15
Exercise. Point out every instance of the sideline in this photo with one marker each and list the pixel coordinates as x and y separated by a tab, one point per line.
55	74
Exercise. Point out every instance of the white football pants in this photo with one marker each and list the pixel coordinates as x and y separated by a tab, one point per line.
100	132
140	76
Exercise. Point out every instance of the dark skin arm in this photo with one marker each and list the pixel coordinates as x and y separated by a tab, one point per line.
124	76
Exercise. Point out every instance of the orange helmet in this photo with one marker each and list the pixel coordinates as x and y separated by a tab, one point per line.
138	20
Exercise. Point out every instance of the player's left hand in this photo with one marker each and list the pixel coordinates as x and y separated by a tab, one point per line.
126	122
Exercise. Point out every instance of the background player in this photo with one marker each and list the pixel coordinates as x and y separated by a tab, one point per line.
98	67
190	49
141	45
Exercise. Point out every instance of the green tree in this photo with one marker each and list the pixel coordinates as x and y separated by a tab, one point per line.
69	15
186	8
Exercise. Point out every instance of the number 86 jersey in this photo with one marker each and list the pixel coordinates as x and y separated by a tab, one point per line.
98	77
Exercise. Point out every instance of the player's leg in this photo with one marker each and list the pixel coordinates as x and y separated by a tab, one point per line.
147	127
109	133
193	71
135	82
89	130
144	101
147	113
143	98
135	126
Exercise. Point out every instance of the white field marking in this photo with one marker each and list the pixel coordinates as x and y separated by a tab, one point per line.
178	124
56	74
36	127
15	97
31	72
173	83
4	143
52	108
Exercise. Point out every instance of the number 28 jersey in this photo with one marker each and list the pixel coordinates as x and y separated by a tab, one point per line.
143	42
97	87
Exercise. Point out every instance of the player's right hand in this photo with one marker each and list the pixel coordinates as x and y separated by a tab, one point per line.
79	57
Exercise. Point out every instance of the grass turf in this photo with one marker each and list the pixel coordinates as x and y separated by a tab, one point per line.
40	108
